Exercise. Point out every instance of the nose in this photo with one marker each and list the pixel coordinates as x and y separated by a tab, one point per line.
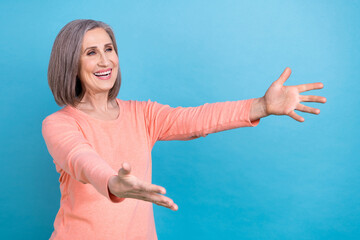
104	60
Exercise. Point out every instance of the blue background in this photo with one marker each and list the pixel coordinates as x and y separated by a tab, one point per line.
280	180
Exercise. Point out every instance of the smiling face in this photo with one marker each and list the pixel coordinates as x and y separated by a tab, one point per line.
99	62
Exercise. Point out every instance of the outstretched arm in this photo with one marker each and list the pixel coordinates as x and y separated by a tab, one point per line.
74	154
284	100
185	123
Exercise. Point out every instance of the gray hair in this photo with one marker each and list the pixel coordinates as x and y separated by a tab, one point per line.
64	62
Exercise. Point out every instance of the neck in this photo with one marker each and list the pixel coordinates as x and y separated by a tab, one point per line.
96	102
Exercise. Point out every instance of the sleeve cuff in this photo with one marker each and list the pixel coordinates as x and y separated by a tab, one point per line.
247	117
109	195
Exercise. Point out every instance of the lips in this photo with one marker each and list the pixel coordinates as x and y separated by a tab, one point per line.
103	74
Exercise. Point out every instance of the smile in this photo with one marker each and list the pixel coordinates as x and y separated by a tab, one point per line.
104	74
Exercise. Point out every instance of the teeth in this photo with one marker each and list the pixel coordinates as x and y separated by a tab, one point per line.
102	73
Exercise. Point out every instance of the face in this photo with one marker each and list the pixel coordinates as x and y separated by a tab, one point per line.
98	62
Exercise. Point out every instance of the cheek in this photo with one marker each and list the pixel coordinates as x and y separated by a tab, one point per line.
87	66
116	61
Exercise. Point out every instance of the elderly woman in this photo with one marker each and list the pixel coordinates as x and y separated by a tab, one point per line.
101	145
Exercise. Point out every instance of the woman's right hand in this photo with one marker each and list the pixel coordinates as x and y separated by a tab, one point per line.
125	185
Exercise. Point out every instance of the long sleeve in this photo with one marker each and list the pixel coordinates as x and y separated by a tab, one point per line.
89	150
166	123
75	155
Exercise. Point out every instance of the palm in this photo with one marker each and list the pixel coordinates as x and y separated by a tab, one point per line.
129	186
283	100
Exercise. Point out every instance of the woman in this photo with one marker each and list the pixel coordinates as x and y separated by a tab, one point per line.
101	145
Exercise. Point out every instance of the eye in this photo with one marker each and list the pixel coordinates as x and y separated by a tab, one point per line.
109	49
90	53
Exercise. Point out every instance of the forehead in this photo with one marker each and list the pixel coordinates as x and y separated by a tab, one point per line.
95	38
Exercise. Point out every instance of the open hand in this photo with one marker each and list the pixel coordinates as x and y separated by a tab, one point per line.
283	100
125	185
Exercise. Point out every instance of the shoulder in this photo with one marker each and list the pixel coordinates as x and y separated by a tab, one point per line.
61	116
132	105
131	102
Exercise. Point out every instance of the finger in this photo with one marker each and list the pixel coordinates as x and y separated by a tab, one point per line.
309	86
296	117
284	76
304	108
156	199
175	207
311	98
166	202
125	169
150	188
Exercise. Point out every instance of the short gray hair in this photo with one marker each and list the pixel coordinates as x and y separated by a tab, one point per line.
64	62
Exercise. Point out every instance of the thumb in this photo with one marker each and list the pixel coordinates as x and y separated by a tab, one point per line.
284	76
125	169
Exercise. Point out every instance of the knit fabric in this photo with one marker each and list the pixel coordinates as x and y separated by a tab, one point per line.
88	151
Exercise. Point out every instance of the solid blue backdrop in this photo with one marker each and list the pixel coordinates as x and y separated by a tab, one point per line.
280	180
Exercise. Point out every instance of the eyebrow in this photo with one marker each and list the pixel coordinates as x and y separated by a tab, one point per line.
107	44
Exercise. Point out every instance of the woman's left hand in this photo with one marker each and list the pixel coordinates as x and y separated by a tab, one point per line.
283	100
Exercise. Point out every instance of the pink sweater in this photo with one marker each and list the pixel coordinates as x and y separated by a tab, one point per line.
87	151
